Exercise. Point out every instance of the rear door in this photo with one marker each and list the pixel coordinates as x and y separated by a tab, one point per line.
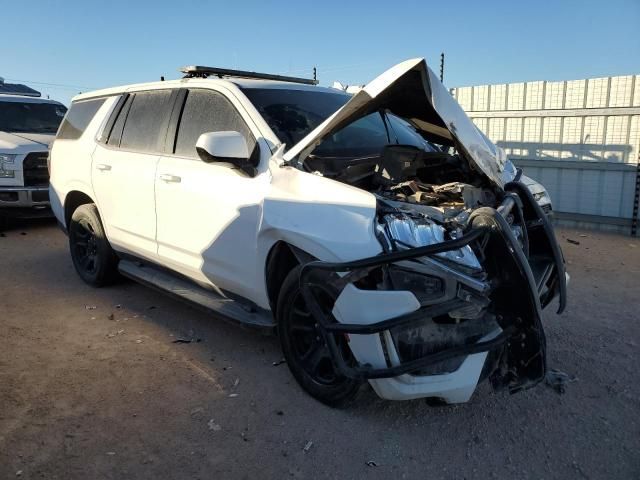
208	213
124	167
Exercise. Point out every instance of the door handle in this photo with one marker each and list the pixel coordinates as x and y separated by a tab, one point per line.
103	167
165	177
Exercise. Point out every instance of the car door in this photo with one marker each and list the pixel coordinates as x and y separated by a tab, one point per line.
124	167
208	213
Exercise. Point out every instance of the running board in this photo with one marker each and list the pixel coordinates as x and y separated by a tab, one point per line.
189	292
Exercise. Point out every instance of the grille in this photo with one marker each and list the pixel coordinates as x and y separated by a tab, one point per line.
546	208
35	171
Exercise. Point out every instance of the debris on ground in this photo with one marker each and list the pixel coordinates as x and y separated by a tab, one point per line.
196	411
371	463
111	453
558	380
18	473
110	316
138	341
118	306
90	307
575	242
308	446
236	382
213	426
187	340
279	362
233	395
279	412
583	235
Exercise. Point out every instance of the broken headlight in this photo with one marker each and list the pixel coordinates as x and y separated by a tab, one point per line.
404	231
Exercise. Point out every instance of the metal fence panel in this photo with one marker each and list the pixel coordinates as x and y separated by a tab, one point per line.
580	138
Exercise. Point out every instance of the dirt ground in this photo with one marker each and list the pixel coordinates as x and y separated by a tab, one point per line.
93	387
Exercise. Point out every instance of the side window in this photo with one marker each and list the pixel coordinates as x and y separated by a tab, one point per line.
208	111
116	130
146	121
78	117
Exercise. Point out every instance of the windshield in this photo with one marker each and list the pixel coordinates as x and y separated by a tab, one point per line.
30	117
292	114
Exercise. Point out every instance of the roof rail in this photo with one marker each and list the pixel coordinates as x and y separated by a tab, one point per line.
203	72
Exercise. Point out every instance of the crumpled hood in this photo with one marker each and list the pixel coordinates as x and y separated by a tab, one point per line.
412	90
19	142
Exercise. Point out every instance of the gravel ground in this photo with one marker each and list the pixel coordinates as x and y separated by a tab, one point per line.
92	386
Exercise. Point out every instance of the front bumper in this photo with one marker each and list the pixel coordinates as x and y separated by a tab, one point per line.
533	274
24	198
24	201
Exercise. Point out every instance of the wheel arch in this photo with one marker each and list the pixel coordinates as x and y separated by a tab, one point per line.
72	201
281	259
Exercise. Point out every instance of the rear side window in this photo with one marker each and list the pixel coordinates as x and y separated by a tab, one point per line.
78	117
118	125
208	111
146	121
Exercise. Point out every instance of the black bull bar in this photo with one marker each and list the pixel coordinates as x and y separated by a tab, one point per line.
484	222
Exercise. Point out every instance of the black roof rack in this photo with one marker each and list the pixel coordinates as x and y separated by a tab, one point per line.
200	71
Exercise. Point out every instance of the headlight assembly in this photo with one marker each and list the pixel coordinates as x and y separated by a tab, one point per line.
7	159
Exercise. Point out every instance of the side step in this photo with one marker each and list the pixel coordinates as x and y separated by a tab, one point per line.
210	302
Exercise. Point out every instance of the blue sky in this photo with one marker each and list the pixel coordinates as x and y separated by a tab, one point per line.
87	44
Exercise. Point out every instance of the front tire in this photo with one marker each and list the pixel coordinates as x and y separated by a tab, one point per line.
306	353
92	255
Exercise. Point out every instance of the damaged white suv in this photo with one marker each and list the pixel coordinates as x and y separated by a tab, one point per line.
382	235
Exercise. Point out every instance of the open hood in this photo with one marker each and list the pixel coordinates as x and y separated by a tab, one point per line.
411	90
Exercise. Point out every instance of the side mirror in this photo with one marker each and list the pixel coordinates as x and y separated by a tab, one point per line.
226	147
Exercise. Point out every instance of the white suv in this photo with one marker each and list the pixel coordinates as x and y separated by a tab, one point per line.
28	126
382	236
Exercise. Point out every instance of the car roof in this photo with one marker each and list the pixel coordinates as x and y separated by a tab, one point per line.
226	81
26	99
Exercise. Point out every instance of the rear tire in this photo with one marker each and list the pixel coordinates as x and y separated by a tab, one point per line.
306	352
92	255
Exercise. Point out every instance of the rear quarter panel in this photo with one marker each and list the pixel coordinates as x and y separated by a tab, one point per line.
71	161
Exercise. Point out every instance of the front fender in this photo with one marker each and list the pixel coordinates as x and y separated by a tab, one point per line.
330	220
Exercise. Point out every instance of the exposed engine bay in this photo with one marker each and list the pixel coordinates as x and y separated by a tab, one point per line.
437	184
471	293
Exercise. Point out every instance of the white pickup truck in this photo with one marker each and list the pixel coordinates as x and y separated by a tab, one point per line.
28	126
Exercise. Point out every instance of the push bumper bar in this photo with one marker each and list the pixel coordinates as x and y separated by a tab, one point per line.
494	224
